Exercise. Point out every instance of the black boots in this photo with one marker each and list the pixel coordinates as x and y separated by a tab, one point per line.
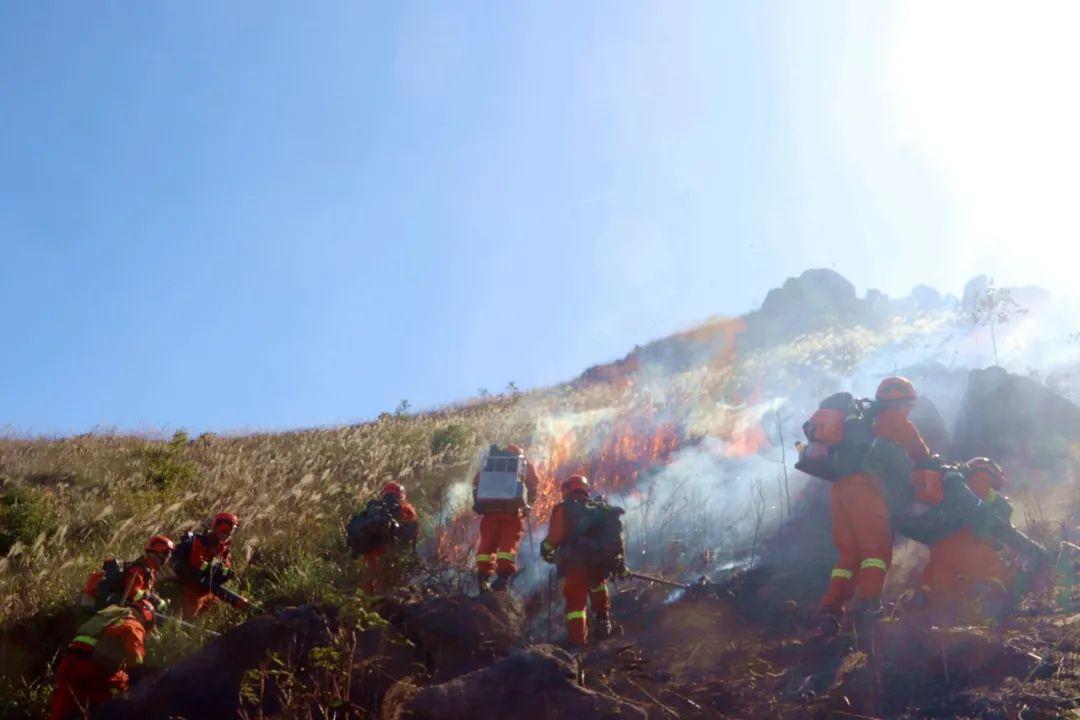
502	582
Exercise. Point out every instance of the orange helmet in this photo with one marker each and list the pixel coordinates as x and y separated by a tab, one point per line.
392	488
160	544
988	466
225	518
575	484
895	388
516	449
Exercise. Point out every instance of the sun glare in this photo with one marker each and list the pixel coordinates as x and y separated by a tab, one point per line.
989	93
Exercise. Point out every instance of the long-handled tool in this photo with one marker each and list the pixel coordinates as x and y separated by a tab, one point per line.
532	548
657	580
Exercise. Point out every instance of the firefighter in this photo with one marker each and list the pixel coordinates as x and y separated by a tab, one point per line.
895	399
207	564
382	571
964	567
582	581
501	532
136	582
862	530
95	665
140	576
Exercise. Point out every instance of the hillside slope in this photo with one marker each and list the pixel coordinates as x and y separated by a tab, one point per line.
691	433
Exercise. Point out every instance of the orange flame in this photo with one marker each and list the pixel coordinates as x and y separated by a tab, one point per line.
650	423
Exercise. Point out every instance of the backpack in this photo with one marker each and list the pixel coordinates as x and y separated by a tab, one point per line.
839	436
372	528
595	539
107	654
955	511
404	532
501	485
105	587
181	560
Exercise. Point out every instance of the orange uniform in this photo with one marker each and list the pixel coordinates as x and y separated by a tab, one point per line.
139	579
962	563
195	593
501	532
93	669
375	575
581	583
862	531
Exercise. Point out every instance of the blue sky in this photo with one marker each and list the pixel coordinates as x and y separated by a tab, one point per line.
270	215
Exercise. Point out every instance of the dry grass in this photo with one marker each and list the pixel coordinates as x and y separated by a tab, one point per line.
286	487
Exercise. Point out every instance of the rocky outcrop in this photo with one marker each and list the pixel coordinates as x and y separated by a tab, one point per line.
459	634
1016	421
207	683
816	300
540	683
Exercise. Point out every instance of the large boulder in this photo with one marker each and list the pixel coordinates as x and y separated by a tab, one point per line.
939	662
816	300
459	634
1017	421
540	683
931	425
207	683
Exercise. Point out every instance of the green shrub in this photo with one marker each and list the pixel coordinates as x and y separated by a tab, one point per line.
22	698
25	513
454	435
164	465
171	642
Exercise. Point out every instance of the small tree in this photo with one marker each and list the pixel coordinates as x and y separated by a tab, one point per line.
403	408
994	306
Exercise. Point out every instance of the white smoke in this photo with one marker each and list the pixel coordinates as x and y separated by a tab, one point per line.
714	500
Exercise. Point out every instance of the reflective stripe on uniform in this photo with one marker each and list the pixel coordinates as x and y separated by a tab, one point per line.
576	615
991	496
874	563
506	556
601	588
139	595
484	558
842	574
86	640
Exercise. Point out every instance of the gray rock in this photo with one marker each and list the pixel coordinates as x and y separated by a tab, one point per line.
540	683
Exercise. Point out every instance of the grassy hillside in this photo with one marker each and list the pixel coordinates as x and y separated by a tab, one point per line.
67	503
